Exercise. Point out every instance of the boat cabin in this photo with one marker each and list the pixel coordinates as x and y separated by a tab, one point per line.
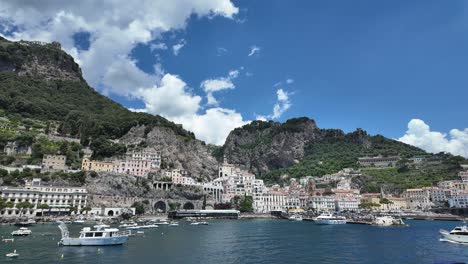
99	233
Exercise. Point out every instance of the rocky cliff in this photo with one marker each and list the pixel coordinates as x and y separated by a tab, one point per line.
298	143
177	152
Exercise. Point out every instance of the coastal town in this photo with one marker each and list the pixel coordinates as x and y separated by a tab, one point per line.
328	193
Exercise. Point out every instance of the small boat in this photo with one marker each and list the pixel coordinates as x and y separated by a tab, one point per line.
195	223
12	254
458	235
101	236
174	224
78	222
23	231
295	217
203	223
163	222
6	240
128	224
329	219
140	232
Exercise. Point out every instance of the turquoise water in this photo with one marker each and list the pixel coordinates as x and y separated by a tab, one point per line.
249	241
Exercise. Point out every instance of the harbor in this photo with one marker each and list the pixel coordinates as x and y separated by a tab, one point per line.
227	241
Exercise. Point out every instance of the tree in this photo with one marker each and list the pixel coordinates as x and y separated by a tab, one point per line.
243	204
368	205
86	209
385	201
43	207
24	205
174	206
139	208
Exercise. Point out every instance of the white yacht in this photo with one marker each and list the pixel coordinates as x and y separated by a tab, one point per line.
295	217
101	236
329	219
458	235
23	231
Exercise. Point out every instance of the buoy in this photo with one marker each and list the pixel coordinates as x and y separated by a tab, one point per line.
61	256
99	251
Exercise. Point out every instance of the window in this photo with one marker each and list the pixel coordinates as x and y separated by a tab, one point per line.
89	235
98	234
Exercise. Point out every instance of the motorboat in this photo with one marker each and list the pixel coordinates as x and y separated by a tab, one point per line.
329	219
387	221
6	240
23	231
102	235
12	254
458	235
295	217
195	223
128	225
174	224
163	222
203	223
78	222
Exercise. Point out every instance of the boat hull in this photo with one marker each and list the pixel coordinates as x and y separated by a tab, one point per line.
108	241
454	238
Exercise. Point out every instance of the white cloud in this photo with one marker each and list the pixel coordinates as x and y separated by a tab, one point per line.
177	47
211	86
254	50
174	100
420	135
220	51
224	120
289	81
158	46
282	104
115	29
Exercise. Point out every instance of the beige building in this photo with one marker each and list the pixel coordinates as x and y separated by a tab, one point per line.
94	165
54	163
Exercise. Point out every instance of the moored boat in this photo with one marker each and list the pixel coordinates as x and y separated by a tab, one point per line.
458	235
295	217
329	219
23	231
101	236
12	254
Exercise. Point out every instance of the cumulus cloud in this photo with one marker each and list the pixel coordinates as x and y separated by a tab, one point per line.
177	47
420	135
175	101
211	86
254	50
282	104
115	28
158	46
289	81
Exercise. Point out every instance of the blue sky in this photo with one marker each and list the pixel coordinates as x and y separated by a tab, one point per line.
376	65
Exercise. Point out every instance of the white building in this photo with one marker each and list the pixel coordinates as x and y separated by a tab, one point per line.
322	203
459	201
59	199
347	204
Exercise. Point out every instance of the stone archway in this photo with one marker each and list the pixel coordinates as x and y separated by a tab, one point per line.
209	207
110	213
188	206
160	206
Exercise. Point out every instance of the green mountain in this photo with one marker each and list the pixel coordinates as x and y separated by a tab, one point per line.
40	81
